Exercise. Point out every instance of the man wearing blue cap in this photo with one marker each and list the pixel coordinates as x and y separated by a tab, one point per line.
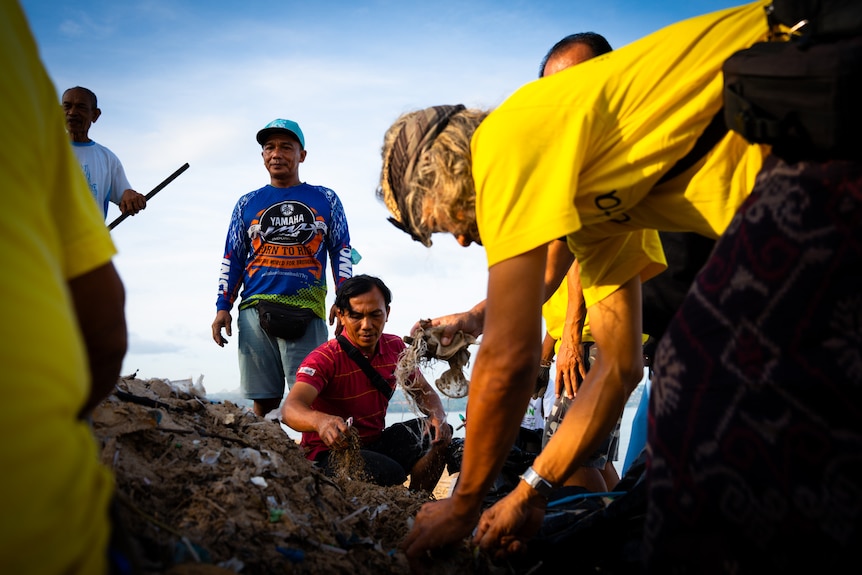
277	246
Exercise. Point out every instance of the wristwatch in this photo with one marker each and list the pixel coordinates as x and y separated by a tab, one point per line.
542	486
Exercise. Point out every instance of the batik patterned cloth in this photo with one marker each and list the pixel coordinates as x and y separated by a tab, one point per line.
755	431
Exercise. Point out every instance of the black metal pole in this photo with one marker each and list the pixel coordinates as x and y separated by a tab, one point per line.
154	191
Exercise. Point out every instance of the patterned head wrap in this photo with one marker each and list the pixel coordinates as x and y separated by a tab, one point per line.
414	138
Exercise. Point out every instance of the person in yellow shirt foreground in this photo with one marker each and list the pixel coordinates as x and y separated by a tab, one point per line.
67	332
560	270
587	153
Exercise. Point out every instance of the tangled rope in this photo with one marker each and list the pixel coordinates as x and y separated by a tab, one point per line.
424	347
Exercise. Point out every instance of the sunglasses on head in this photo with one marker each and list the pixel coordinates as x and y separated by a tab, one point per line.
410	232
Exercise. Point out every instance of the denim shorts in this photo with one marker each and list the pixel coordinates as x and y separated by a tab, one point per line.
266	363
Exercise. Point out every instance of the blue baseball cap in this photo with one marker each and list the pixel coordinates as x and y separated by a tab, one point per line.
280	125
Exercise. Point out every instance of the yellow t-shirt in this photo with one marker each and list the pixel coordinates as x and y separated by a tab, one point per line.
54	493
554	314
579	153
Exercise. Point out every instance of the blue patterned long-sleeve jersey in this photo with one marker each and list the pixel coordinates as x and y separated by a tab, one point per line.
278	243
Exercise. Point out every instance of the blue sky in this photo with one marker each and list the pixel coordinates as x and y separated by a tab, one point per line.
193	81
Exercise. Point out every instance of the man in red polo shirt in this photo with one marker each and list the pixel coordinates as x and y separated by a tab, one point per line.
333	394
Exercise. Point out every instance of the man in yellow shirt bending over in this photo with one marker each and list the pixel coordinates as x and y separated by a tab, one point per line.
68	331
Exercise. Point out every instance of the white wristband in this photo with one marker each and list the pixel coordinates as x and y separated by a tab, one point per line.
542	486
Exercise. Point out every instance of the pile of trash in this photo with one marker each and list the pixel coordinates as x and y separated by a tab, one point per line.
209	487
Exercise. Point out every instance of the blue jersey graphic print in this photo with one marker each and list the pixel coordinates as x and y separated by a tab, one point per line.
278	245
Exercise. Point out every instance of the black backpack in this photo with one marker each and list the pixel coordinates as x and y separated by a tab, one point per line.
801	93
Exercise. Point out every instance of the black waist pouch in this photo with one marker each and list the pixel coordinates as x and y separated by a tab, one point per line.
802	98
284	321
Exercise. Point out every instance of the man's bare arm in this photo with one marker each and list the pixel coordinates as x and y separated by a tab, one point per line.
99	299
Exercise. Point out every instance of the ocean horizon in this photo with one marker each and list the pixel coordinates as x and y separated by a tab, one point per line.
455	418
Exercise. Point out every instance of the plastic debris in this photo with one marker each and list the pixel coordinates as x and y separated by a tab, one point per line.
210	456
293	555
275	515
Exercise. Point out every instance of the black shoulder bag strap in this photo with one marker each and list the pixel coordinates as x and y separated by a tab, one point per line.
710	136
365	365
